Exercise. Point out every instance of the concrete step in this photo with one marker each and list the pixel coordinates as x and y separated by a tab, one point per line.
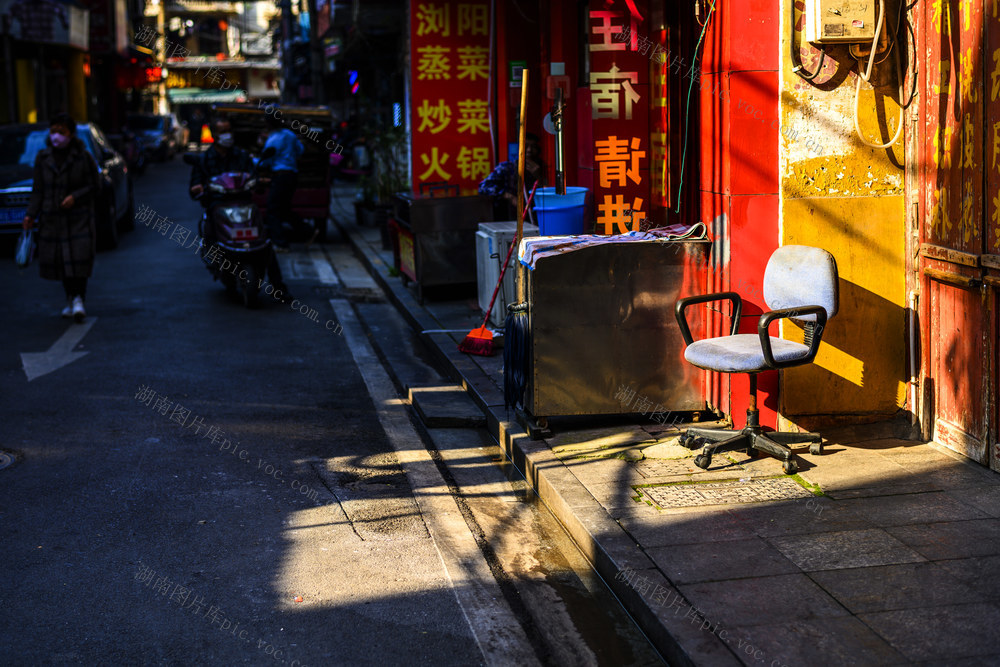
446	406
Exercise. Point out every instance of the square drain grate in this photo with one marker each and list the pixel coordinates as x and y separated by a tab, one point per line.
723	493
652	468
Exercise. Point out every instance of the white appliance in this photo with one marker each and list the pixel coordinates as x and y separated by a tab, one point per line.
492	243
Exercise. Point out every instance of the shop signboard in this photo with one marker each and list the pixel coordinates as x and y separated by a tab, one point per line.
450	74
620	44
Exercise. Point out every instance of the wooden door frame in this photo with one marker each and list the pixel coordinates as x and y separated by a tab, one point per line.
949	267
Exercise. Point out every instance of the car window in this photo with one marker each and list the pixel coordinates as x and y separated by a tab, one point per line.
88	142
21	148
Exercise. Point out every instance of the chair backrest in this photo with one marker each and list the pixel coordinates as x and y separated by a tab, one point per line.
799	275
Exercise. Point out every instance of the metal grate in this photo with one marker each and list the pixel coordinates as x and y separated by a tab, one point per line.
723	493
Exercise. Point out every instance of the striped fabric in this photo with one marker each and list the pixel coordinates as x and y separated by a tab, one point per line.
535	248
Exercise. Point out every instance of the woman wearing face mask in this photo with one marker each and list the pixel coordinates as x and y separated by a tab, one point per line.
62	199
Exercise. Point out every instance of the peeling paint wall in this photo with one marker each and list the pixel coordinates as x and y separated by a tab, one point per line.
838	194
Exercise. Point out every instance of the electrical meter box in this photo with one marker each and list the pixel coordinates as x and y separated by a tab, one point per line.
840	21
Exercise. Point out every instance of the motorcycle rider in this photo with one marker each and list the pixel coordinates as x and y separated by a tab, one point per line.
221	157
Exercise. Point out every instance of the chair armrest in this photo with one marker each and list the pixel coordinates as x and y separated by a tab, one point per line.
682	305
765	338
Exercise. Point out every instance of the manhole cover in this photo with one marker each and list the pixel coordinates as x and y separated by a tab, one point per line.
6	460
723	493
652	468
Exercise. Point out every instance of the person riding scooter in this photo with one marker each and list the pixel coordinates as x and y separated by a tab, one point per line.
221	157
224	156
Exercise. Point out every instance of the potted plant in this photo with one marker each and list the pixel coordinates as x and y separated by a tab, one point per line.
389	176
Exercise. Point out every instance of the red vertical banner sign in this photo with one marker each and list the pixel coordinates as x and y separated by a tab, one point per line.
449	82
620	41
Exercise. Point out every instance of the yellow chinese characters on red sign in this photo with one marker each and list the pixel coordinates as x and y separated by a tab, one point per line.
450	117
619	102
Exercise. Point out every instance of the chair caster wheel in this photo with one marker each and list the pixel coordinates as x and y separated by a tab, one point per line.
703	461
752	453
790	467
815	448
692	442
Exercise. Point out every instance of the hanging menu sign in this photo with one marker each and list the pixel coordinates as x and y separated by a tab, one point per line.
449	74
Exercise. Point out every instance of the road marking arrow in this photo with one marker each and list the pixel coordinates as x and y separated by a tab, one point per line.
37	364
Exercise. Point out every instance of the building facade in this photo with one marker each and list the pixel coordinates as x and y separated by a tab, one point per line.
774	126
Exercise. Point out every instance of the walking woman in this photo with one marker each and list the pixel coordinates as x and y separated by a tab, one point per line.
62	200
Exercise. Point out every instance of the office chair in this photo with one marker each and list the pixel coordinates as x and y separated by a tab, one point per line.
800	284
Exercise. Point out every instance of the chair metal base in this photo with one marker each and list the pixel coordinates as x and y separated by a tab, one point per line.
750	439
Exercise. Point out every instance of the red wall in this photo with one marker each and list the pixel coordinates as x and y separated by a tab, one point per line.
732	177
738	176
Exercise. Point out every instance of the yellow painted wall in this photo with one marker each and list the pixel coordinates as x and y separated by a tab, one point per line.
76	87
838	194
27	106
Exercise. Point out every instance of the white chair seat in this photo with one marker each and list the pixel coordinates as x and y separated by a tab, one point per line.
740	353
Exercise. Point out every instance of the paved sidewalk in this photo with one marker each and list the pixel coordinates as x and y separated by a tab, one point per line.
881	551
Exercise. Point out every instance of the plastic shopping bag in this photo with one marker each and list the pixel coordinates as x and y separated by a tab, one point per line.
25	248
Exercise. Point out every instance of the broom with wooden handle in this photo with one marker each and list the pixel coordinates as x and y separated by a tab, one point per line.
480	341
516	335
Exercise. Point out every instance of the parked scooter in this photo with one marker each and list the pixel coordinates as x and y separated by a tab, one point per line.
236	249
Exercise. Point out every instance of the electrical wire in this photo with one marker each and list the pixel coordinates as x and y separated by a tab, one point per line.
687	106
797	66
701	3
866	76
800	69
878	31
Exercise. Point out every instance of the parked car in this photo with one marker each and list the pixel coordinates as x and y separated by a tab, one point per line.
19	144
161	136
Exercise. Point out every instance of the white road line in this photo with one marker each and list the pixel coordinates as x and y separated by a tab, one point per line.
323	268
352	273
497	632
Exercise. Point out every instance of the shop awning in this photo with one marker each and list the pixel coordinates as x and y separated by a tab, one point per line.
203	96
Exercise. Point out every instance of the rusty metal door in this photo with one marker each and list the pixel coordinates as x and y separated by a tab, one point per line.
957	115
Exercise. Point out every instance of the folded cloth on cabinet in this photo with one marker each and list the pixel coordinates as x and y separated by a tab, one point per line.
536	247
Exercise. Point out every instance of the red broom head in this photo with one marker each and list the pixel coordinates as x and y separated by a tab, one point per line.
479	342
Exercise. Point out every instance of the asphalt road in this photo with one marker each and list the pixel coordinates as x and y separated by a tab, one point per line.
199	483
171	501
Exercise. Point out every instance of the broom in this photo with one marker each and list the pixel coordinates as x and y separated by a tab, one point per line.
517	339
480	340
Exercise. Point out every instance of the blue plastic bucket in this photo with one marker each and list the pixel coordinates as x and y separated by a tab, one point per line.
560	220
547	197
